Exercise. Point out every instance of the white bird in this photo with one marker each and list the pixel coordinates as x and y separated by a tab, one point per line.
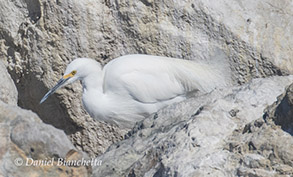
131	87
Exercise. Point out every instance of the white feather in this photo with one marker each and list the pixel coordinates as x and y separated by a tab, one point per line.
132	87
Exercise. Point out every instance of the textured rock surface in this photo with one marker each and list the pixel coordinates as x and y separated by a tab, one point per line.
8	92
39	37
195	137
23	136
264	146
218	134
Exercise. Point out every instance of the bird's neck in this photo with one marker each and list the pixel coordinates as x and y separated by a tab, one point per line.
93	81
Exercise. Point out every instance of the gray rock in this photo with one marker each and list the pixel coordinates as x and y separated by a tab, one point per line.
193	138
24	137
204	136
9	113
38	39
281	113
265	145
8	92
39	140
35	38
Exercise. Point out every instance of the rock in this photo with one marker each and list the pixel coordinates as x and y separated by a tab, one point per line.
36	41
262	28
265	145
38	139
205	136
28	146
218	134
39	37
281	113
8	92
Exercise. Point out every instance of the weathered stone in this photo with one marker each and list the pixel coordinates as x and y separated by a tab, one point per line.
39	37
282	114
25	138
265	145
39	140
193	138
8	92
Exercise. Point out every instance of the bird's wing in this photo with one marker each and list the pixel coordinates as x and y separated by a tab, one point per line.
151	87
150	79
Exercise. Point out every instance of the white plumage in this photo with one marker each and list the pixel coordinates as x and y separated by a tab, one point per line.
132	87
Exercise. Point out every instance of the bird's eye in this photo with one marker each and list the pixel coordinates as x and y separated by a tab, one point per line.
73	72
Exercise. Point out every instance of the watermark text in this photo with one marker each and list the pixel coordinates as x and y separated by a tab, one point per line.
58	162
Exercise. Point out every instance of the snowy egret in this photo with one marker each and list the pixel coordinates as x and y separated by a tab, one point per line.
131	87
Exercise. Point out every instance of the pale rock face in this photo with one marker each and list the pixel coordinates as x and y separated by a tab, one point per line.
38	38
24	137
201	136
265	145
8	92
264	25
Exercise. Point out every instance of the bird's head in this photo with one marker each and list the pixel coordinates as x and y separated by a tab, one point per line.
76	70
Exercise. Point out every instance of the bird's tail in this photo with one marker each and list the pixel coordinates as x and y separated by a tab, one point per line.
203	77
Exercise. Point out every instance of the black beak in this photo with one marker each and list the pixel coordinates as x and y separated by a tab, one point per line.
60	83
